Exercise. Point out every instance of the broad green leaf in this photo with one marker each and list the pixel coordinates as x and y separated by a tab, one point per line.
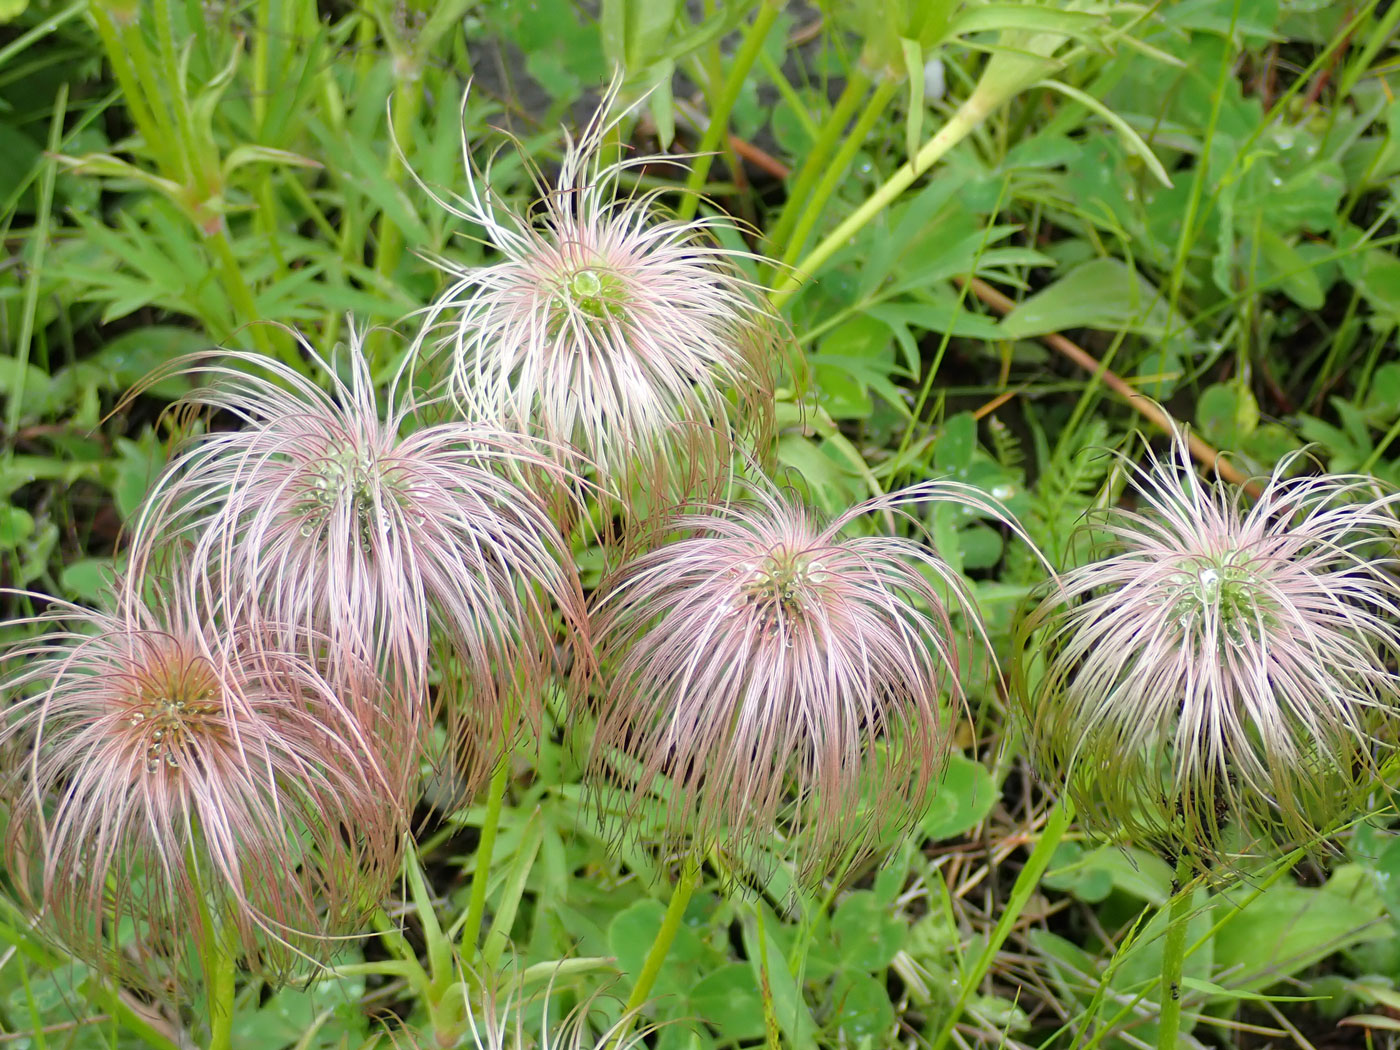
867	934
631	935
87	579
1288	928
16	525
1102	293
961	799
728	999
862	1009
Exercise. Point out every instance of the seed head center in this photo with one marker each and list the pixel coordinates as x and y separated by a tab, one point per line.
1222	590
594	292
344	477
780	585
168	718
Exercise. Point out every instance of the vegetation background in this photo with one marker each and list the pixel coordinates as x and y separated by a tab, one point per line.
1193	199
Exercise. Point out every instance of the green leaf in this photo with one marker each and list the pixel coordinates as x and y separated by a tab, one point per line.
862	1008
956	443
1102	293
1288	928
648	22
87	579
1131	139
1070	872
961	800
137	467
16	525
1228	413
21	153
867	935
914	72
1281	265
981	547
729	1000
631	935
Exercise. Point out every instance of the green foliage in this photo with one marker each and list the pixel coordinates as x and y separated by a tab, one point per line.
1200	194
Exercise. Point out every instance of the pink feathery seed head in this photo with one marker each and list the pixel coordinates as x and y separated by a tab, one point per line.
1221	664
788	681
168	783
418	550
608	327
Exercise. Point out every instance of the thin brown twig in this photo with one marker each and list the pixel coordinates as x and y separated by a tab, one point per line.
61	1026
1140	403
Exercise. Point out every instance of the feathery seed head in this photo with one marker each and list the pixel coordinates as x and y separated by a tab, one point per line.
350	532
632	337
1221	664
786	679
162	775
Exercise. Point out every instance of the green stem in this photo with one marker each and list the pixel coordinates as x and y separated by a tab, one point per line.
835	123
832	174
719	113
43	216
1056	823
481	874
121	59
219	974
661	947
967	117
240	295
407	103
1173	956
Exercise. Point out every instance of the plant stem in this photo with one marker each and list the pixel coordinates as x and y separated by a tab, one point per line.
832	174
1173	956
220	981
719	113
812	167
481	874
240	295
967	116
1056	823
661	947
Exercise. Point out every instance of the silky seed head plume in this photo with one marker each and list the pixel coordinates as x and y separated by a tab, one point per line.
168	782
1221	663
419	550
771	678
608	327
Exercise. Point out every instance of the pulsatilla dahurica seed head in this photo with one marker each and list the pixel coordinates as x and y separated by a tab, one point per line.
787	680
348	533
1221	664
609	328
169	781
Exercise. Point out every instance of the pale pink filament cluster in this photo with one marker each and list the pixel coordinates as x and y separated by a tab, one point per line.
170	781
350	534
606	327
783	679
1221	663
